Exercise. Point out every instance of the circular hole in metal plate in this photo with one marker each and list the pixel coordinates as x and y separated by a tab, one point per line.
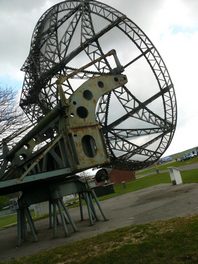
87	95
89	146
82	112
100	84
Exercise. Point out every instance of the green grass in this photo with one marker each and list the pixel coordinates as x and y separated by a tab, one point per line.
190	176
139	184
174	241
8	220
165	166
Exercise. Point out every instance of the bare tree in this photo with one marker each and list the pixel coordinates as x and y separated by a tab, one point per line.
14	124
13	121
9	114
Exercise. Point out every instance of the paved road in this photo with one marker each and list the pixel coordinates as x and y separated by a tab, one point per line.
155	203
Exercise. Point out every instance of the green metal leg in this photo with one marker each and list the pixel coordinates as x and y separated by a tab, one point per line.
62	218
31	223
50	214
19	231
54	220
98	204
64	213
68	216
23	224
92	206
81	207
89	209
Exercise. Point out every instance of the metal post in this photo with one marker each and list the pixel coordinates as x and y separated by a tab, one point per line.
98	204
92	206
68	216
54	219
19	231
23	224
31	223
81	207
62	217
91	220
50	214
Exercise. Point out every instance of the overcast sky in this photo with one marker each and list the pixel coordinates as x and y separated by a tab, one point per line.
171	25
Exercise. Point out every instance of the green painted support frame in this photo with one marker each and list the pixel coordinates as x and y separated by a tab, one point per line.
54	193
23	218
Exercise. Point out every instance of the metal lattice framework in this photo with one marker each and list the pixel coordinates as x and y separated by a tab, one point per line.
85	39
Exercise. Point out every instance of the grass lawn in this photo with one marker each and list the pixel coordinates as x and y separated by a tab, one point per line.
8	220
164	166
139	184
190	176
174	241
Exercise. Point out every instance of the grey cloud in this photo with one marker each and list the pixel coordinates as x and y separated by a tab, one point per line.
141	12
17	22
20	5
